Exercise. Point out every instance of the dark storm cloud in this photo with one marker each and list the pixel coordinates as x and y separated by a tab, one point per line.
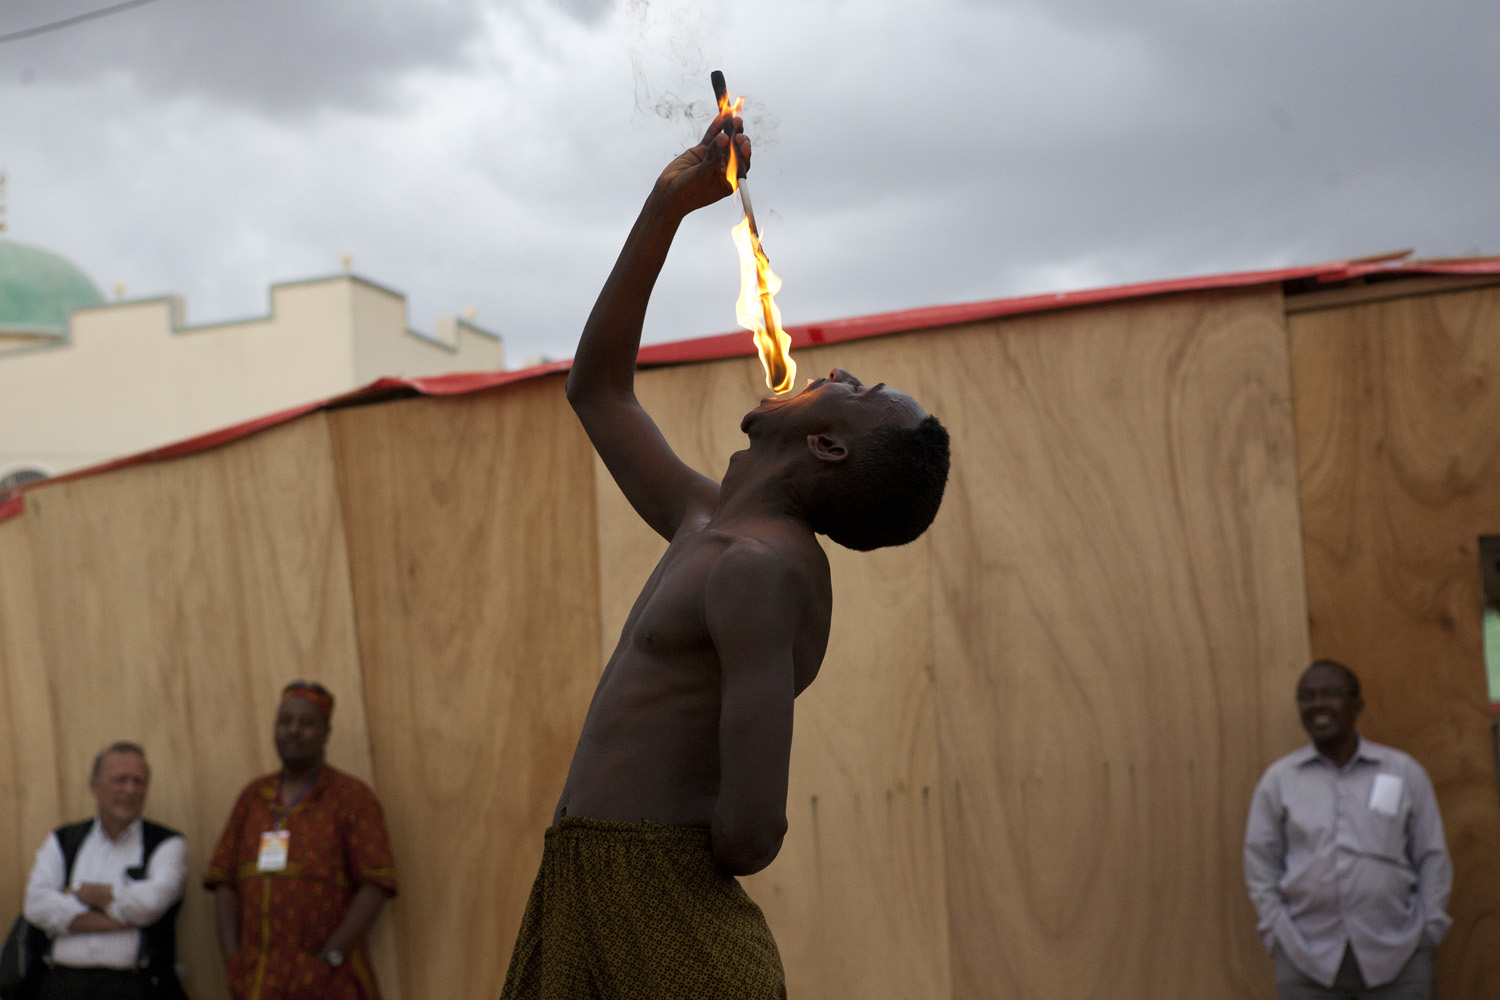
1170	140
905	157
277	56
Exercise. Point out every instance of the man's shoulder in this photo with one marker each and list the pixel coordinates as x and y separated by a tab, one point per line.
345	784
775	552
70	836
260	786
1389	757
79	828
1289	763
158	832
770	572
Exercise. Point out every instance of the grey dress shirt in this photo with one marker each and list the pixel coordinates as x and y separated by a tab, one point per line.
1352	855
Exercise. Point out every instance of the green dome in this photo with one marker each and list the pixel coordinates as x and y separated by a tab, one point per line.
38	289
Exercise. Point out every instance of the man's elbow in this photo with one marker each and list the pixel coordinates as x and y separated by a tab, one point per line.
588	402
746	848
35	914
573	388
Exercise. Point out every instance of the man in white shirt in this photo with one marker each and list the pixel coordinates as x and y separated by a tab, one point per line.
106	892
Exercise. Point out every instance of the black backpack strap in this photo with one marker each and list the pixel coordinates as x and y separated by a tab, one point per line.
152	835
70	838
159	941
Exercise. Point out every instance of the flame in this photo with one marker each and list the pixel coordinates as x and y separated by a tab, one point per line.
732	173
756	310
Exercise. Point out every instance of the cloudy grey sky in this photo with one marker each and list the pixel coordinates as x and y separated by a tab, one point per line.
492	153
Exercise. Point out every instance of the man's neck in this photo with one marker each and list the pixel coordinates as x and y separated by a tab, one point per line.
1339	752
300	774
757	487
113	828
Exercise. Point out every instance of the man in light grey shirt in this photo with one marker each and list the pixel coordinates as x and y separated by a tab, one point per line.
1345	858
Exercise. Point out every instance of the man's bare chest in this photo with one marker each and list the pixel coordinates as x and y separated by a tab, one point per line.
670	615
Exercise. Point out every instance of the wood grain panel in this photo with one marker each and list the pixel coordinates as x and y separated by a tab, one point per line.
1117	572
856	896
1397	407
175	600
29	789
471	526
1025	768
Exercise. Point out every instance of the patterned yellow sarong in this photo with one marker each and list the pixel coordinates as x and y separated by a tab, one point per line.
622	911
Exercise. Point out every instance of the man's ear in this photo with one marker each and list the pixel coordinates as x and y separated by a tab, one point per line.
827	448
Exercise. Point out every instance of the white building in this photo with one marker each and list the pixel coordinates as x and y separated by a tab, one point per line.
83	380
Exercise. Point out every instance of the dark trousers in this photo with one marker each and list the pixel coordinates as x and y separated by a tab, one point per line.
62	983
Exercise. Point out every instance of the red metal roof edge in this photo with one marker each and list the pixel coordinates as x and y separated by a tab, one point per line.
736	344
440	385
878	324
1475	266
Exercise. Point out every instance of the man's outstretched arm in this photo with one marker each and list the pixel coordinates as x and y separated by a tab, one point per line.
601	384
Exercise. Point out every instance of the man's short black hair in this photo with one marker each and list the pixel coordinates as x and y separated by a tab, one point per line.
889	490
1349	676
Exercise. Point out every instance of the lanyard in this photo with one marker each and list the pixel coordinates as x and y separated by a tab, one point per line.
285	811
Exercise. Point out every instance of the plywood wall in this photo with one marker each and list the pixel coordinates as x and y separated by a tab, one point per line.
1117	575
471	527
29	786
1398	436
1025	767
173	601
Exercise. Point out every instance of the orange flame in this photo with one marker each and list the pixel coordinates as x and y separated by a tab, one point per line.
756	308
732	174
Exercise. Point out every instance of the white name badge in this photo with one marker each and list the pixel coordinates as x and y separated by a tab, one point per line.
1385	794
273	850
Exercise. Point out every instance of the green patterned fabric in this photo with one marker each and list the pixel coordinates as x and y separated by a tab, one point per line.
624	910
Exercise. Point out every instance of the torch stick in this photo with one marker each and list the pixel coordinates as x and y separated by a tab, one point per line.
721	96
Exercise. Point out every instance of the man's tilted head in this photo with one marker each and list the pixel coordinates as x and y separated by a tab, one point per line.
889	490
882	460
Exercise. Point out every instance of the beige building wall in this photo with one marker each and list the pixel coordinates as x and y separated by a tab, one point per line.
132	377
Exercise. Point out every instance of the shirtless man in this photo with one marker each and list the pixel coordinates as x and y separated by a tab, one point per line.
679	780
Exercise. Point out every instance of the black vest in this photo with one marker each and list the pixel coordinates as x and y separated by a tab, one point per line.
158	941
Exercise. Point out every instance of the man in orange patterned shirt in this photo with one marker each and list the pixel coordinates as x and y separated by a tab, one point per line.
302	869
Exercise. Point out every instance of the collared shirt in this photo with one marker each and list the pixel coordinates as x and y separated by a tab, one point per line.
140	902
1347	856
336	843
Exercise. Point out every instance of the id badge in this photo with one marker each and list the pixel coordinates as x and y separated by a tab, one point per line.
1385	795
273	850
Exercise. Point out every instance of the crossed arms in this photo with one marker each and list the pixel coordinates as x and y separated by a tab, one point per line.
96	907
